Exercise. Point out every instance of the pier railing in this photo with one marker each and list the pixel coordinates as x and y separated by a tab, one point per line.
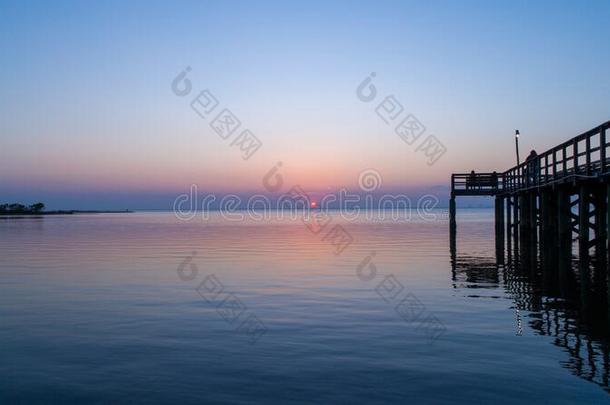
587	155
476	183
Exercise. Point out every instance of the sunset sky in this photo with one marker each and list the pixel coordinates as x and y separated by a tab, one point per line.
89	118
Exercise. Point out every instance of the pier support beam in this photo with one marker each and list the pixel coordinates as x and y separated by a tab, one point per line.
564	238
583	244
452	231
607	235
452	223
533	237
599	266
548	232
523	219
516	208
509	227
608	250
583	225
500	229
525	230
608	226
601	212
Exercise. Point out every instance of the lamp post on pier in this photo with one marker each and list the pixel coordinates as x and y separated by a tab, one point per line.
517	145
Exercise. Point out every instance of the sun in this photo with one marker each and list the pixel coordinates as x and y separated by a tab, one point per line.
314	204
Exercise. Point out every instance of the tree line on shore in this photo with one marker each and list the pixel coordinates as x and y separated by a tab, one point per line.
17	208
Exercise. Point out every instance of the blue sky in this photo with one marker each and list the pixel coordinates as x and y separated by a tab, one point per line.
89	119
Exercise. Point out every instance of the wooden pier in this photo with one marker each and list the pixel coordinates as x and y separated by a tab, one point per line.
549	201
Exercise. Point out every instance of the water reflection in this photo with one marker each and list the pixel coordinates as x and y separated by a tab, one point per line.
569	306
88	300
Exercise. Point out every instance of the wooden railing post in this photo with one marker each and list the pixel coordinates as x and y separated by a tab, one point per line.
602	150
575	157
521	177
588	155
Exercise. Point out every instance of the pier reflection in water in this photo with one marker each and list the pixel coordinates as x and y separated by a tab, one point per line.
568	305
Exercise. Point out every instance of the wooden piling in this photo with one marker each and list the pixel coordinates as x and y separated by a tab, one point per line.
545	237
583	244
516	208
601	210
608	225
524	229
499	222
452	222
509	226
607	249
533	230
607	235
564	237
583	225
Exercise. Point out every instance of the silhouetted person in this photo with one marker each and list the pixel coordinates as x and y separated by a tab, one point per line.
531	156
494	180
532	163
472	179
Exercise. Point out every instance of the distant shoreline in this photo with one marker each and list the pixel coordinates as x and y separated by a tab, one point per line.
67	212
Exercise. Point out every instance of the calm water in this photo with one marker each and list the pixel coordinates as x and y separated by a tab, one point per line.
93	309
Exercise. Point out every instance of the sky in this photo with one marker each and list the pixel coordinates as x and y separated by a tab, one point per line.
89	118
